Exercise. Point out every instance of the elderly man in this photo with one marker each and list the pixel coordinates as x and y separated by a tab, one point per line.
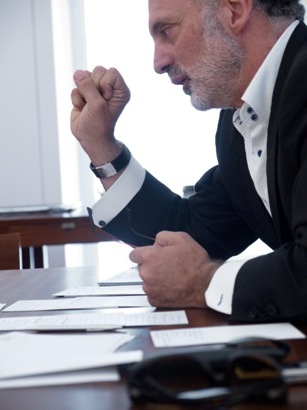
249	58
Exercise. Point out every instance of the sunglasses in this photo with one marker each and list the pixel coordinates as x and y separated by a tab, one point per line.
217	377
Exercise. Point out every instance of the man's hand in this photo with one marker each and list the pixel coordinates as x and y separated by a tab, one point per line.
176	270
98	101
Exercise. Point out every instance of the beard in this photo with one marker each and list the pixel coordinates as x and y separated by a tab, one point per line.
213	82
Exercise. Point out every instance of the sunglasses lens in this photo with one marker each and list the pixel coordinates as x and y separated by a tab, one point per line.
162	380
261	376
177	374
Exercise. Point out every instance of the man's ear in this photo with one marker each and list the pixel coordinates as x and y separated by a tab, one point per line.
235	14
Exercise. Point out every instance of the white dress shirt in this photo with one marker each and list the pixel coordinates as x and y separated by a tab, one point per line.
251	120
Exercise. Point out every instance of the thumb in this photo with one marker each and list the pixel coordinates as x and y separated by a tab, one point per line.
167	238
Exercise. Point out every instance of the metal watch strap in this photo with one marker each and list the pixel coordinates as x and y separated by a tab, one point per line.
112	168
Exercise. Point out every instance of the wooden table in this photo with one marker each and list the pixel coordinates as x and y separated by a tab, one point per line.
40	284
47	228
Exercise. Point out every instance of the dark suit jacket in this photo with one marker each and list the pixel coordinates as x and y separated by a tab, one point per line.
226	215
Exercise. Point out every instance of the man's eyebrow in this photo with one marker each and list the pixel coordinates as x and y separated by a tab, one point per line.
156	27
161	21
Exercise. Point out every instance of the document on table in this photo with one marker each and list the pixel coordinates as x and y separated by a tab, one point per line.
97	302
105	374
24	355
96	321
223	334
128	277
101	291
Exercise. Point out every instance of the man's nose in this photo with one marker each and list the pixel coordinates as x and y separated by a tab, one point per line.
162	60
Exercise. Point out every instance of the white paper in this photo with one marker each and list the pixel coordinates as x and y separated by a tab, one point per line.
101	291
95	321
223	334
106	374
26	354
2	305
95	302
128	277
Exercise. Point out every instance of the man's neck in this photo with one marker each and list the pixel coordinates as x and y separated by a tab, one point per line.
259	38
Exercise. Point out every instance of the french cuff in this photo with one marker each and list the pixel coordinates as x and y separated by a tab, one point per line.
219	293
114	200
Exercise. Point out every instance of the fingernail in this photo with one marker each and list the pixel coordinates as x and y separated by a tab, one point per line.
79	74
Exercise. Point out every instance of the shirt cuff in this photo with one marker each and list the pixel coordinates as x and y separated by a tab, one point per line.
219	293
119	194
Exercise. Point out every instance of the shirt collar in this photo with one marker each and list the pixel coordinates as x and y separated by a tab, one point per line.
259	93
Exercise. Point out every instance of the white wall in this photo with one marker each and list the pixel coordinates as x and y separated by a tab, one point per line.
29	155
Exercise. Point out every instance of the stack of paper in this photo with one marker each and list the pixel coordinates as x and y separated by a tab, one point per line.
32	359
118	290
223	334
96	302
94	321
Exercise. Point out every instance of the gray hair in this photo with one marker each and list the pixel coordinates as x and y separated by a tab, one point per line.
272	8
281	8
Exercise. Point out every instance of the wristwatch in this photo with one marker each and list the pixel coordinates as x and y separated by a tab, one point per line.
112	168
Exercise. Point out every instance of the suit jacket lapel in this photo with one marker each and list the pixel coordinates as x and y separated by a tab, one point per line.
297	40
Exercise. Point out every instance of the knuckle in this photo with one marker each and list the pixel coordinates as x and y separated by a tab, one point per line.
151	301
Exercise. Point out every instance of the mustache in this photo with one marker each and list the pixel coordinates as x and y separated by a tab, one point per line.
175	71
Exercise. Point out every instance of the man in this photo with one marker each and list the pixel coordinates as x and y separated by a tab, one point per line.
248	57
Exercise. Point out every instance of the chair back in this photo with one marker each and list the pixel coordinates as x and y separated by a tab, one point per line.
10	251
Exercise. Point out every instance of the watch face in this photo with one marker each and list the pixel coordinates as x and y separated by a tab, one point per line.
106	171
112	168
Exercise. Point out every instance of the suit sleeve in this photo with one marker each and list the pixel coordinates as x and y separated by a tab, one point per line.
208	216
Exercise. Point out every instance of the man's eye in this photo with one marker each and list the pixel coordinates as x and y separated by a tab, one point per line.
165	31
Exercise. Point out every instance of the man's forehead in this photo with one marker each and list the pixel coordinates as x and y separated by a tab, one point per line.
166	8
170	5
155	5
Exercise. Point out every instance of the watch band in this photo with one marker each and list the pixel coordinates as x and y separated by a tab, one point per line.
112	168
